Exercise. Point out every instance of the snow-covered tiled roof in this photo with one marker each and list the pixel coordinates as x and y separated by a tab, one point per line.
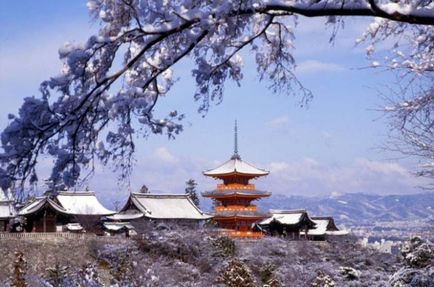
287	217
33	206
82	203
113	226
338	232
325	226
74	227
72	203
167	206
122	216
236	166
320	227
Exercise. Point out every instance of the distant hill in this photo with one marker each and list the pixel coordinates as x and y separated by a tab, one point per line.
359	208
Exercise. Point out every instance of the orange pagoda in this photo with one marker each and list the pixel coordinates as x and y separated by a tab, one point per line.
233	208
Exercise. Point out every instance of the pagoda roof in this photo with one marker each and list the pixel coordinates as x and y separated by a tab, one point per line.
234	166
236	192
239	214
70	203
166	206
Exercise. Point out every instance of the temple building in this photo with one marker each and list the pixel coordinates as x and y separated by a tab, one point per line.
233	208
293	224
7	210
297	224
168	207
65	211
324	226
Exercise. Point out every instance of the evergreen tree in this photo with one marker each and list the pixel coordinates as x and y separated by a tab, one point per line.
191	191
144	189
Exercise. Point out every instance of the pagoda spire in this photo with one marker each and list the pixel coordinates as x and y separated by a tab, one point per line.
236	155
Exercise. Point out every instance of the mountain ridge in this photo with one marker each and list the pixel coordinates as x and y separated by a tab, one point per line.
358	208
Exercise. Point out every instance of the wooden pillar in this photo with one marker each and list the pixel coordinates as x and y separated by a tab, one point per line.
44	228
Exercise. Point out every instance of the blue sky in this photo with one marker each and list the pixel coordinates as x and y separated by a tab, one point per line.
330	147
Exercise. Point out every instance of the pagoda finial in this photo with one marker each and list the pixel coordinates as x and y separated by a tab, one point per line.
236	155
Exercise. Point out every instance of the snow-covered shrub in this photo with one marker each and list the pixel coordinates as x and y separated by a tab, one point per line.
418	255
349	273
268	278
224	247
119	261
173	245
417	252
88	276
58	275
411	277
236	274
323	280
19	269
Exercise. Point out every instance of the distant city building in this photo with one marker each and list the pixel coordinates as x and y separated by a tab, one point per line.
233	209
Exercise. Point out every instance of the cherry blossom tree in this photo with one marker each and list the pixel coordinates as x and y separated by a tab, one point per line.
107	92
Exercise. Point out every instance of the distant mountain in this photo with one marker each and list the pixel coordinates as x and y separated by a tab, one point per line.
359	208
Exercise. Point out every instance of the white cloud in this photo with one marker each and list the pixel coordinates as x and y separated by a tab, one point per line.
278	166
310	177
277	123
386	168
164	155
314	66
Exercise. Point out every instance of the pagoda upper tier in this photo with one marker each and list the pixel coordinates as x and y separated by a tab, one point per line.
236	167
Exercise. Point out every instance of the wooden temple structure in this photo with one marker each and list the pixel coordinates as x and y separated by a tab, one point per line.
233	209
293	224
64	211
297	224
161	207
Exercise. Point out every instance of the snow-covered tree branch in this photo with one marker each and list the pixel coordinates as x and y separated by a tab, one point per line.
107	92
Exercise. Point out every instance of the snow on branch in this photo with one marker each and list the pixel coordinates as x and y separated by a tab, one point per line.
107	92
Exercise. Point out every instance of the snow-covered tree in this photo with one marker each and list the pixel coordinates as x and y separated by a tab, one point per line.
410	101
190	190
18	278
236	274
108	89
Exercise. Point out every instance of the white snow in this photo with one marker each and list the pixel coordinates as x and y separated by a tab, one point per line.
80	203
320	227
284	217
84	203
167	206
236	166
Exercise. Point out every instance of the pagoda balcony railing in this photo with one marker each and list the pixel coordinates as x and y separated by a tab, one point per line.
222	208
241	234
236	186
